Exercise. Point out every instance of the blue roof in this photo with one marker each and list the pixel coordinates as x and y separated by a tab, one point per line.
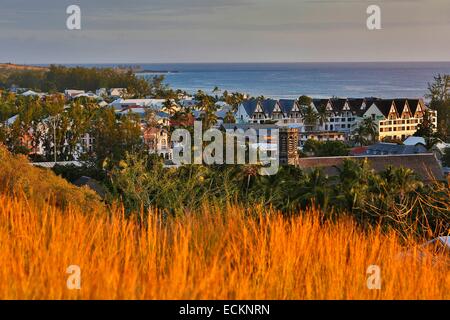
268	105
250	106
287	105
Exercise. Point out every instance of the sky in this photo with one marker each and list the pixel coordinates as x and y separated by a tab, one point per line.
165	31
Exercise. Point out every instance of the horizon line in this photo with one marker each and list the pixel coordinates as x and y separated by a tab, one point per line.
236	62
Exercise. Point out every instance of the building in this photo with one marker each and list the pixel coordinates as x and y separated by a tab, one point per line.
425	165
155	104
398	119
439	148
287	139
70	93
157	142
322	136
382	148
117	92
279	112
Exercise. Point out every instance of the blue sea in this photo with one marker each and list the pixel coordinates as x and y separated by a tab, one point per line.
319	80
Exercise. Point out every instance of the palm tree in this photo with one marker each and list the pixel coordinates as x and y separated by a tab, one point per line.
169	107
359	136
229	117
215	91
401	180
322	115
310	118
371	128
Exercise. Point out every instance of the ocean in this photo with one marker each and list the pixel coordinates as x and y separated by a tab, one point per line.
318	80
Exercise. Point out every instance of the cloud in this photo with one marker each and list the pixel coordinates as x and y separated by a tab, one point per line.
225	29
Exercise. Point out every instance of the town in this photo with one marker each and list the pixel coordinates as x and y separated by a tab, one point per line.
383	129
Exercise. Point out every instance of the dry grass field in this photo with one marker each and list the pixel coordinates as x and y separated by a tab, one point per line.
216	253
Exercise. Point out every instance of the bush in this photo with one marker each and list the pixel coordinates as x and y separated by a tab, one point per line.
17	175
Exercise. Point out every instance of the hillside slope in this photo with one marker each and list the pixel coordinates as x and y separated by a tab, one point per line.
19	177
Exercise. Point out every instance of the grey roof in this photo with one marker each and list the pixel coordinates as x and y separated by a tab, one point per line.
320	104
250	106
222	113
382	148
163	114
355	105
338	104
246	126
425	165
384	105
287	105
413	103
268	105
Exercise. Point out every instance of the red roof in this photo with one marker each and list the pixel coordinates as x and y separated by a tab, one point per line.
358	151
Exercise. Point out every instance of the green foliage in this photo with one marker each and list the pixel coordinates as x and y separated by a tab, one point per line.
326	148
365	133
439	93
426	128
395	197
60	78
41	185
446	158
115	136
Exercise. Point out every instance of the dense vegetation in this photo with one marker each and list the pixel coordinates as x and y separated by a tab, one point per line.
60	78
395	198
439	94
19	177
210	253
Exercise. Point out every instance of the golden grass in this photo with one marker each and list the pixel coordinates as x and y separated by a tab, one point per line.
212	254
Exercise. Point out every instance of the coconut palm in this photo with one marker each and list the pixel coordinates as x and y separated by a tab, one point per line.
359	136
371	128
310	118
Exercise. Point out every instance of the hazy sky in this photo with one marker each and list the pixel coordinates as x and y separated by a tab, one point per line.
34	31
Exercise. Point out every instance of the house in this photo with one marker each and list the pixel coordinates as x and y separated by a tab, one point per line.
102	92
155	104
102	104
69	93
117	92
188	103
280	112
382	148
438	149
322	136
121	104
398	118
425	165
157	142
88	95
342	115
256	111
31	93
289	113
222	112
